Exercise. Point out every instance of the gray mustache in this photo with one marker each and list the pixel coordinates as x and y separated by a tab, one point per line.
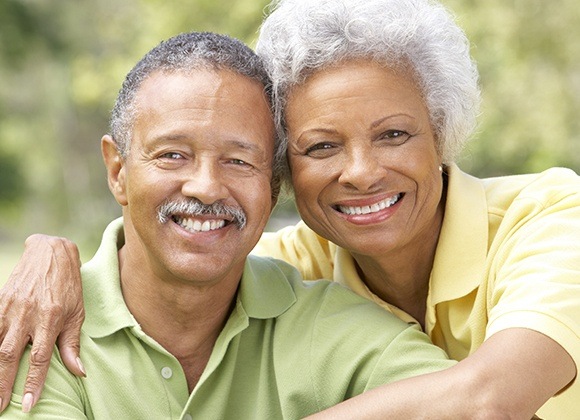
194	207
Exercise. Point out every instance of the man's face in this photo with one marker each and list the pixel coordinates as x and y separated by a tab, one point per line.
208	137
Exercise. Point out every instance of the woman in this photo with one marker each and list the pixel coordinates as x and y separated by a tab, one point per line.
376	98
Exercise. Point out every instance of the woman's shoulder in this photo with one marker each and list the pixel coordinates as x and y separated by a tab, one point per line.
544	188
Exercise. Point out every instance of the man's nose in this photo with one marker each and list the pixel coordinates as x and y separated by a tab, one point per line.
205	181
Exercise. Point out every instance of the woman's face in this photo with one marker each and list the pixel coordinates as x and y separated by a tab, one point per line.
364	161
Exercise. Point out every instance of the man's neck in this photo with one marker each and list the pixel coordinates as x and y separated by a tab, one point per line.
185	319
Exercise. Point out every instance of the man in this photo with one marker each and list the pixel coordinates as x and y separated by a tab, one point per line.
180	322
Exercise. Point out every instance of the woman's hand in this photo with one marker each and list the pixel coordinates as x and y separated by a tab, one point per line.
42	304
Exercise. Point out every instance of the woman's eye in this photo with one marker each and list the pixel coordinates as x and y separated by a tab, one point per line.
396	136
320	150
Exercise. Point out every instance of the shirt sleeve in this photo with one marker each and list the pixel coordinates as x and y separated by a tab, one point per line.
536	272
62	396
537	281
360	345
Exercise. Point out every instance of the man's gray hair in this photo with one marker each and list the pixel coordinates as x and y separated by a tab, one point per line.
187	53
300	37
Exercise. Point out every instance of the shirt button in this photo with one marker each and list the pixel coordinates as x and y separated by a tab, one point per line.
166	372
187	417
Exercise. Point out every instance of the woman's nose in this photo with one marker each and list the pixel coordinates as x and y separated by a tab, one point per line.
362	169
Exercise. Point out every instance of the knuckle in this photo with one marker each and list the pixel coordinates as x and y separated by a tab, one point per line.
22	306
51	313
40	357
69	246
4	386
36	375
40	237
9	353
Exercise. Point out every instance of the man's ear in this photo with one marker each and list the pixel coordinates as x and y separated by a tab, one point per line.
115	169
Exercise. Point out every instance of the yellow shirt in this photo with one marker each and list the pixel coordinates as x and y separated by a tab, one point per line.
508	256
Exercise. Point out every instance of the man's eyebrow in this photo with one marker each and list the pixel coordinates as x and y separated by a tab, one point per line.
251	147
232	143
168	137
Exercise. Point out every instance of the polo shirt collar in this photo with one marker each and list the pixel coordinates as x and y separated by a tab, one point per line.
264	291
462	248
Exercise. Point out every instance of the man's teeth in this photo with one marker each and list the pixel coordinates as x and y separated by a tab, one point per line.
197	226
370	209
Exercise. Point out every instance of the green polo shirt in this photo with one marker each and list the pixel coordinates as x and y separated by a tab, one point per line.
288	349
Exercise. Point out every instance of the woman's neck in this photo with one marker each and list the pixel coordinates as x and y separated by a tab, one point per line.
404	285
401	278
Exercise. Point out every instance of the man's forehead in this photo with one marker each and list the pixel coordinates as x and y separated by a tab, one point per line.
218	101
188	86
201	73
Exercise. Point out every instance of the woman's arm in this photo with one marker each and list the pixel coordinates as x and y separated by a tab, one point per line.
511	375
42	304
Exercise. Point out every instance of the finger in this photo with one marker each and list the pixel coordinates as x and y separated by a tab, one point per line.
69	347
11	351
39	363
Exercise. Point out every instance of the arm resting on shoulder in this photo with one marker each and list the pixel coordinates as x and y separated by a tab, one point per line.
511	375
42	303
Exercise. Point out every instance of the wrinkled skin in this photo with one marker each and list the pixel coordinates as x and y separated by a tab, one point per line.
42	312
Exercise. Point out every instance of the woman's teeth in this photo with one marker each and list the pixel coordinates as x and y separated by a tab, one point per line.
350	210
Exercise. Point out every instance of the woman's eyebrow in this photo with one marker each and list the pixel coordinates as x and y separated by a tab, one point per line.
378	122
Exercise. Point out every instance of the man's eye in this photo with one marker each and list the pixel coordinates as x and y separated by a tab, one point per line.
240	162
171	155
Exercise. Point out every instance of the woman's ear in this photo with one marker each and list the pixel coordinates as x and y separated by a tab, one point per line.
115	165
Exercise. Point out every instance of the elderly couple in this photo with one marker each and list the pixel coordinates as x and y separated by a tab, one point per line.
362	107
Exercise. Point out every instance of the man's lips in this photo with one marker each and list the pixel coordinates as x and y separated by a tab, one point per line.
195	225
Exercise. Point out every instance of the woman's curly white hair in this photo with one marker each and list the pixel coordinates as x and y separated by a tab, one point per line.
300	37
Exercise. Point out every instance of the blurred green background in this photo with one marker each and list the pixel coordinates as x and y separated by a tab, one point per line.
63	61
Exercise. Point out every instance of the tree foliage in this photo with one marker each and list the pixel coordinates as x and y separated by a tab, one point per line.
529	59
63	61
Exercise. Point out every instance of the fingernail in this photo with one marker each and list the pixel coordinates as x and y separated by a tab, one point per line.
81	366
27	402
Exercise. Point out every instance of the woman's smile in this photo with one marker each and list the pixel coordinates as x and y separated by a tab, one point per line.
353	209
364	158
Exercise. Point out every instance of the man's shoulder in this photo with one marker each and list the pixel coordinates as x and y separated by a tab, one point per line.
322	299
338	342
277	270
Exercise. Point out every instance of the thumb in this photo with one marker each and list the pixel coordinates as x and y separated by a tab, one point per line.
69	346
